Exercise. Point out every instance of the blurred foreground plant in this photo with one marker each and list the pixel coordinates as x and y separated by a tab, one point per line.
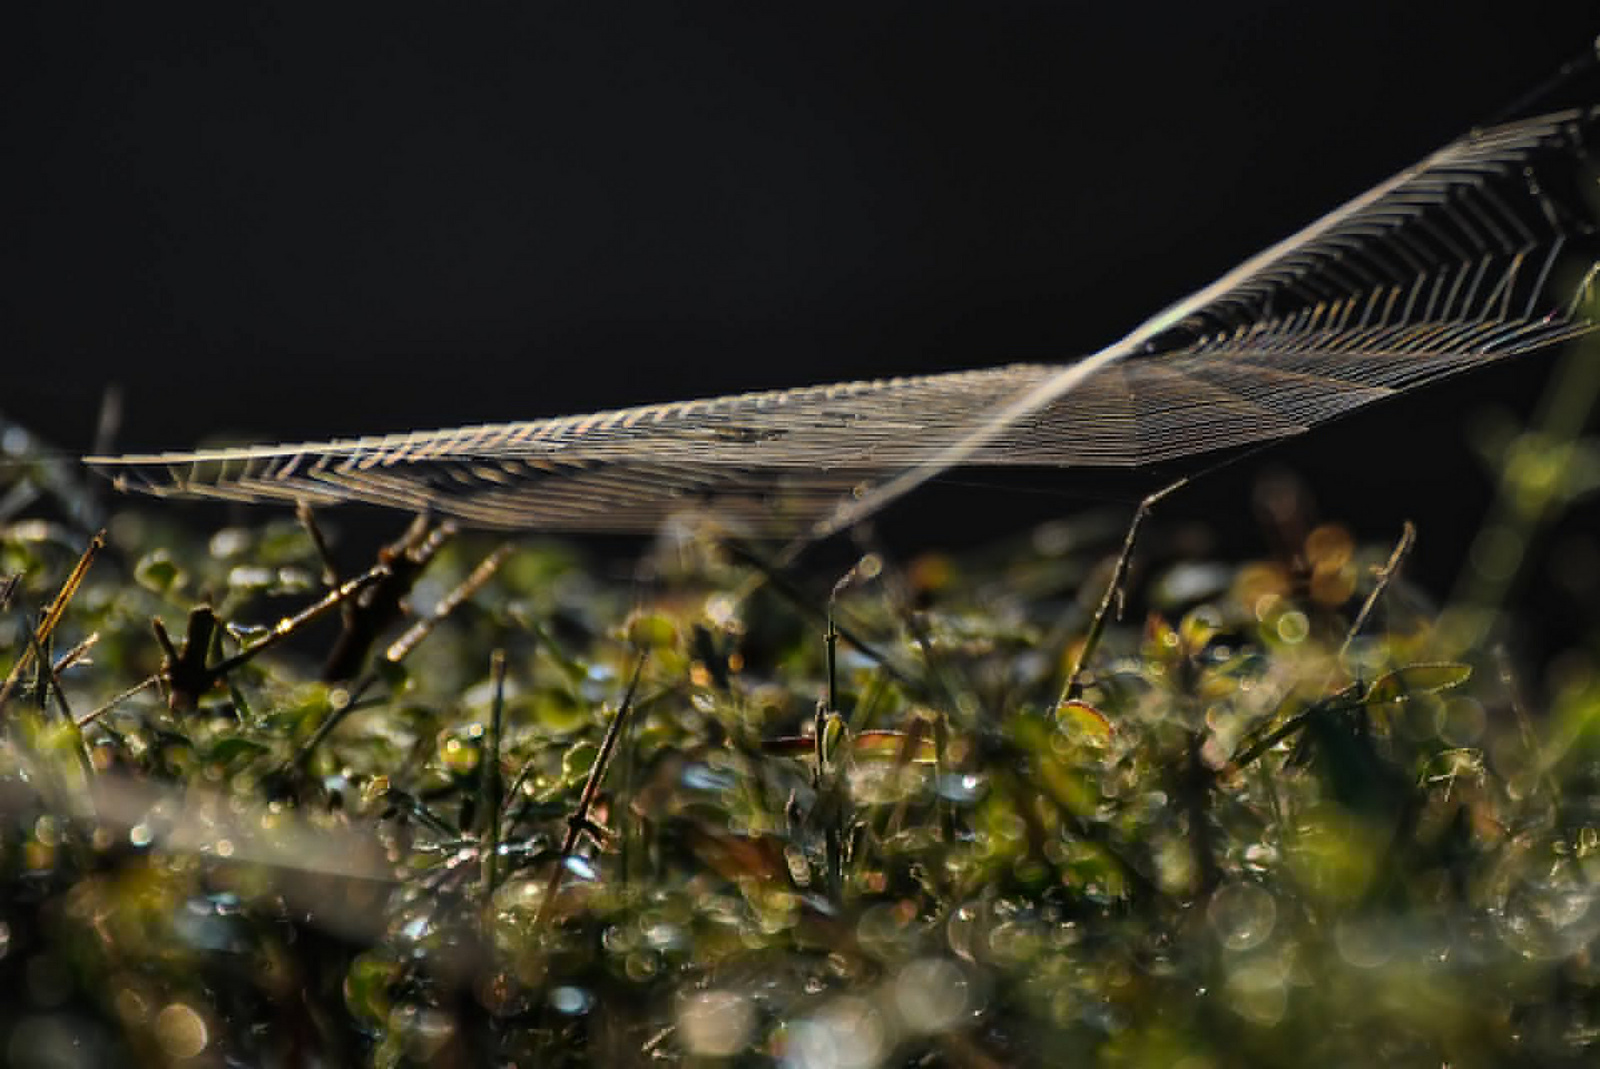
1268	825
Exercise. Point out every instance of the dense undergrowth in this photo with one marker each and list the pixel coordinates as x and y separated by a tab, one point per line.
684	819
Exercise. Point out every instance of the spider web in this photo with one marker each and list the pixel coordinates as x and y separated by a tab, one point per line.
1484	250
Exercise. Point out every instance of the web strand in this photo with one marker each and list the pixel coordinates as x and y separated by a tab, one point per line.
1483	251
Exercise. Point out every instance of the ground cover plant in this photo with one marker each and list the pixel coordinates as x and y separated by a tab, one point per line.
1081	800
922	812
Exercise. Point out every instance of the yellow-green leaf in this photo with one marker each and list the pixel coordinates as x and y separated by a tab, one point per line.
652	630
1083	721
1416	679
913	747
158	572
832	732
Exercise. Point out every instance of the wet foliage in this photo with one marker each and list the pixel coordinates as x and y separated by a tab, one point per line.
901	817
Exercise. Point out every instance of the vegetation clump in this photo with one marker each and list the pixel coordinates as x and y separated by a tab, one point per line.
920	815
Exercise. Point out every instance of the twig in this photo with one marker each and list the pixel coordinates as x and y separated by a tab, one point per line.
1330	704
341	705
832	838
137	688
308	520
52	615
830	640
518	781
829	703
290	624
184	670
829	808
400	649
417	810
381	604
579	821
76	653
1114	593
52	679
627	772
655	1042
8	589
1386	575
46	679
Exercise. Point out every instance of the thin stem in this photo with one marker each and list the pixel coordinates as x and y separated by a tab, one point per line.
52	615
398	650
832	816
308	521
136	689
831	638
799	601
46	678
579	821
1114	593
1386	575
1334	703
489	775
401	647
290	624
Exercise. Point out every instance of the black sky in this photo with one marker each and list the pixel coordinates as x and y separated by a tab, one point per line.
279	221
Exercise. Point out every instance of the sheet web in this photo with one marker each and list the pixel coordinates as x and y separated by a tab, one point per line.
1483	251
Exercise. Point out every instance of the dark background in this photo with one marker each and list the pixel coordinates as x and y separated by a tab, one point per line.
305	220
302	221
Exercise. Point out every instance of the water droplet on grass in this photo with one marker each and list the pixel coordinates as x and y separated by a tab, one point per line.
716	1024
932	995
703	778
1243	915
572	1001
961	788
582	868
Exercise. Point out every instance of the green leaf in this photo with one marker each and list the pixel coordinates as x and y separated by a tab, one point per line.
1162	644
1197	628
917	747
1083	721
1070	789
832	733
461	748
578	760
157	572
284	542
367	987
1417	679
652	630
233	748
